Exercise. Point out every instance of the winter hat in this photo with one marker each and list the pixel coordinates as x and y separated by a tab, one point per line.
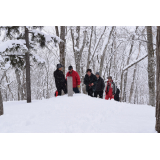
109	77
70	67
59	66
97	73
89	70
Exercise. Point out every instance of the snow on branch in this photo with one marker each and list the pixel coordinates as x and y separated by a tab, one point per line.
9	44
1	59
136	61
38	59
48	37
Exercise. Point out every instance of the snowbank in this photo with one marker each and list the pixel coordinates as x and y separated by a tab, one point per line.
77	114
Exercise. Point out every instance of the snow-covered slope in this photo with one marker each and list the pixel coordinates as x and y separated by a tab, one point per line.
79	113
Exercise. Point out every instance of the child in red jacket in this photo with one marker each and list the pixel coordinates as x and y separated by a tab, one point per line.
110	89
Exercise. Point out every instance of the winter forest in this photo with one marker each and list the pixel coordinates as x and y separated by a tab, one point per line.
130	54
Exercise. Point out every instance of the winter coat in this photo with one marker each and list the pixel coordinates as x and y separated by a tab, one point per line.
89	80
100	84
110	88
75	78
116	96
59	79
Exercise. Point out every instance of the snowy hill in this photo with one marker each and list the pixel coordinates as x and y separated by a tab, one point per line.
77	114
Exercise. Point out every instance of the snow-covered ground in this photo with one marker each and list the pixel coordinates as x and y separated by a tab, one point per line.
79	113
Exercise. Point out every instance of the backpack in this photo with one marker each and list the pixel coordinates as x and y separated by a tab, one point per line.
116	96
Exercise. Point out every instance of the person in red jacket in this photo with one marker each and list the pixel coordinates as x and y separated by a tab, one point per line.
75	78
110	89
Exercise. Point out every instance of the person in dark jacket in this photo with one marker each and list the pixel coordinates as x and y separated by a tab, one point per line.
90	81
61	83
116	96
110	89
99	87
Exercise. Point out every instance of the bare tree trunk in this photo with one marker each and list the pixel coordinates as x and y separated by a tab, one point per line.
47	79
104	51
134	74
121	86
135	95
57	32
110	62
151	67
8	85
126	72
158	82
24	86
62	47
132	84
115	57
76	49
1	100
28	80
20	89
96	45
89	50
1	103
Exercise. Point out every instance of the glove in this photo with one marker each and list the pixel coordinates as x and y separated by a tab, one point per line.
78	86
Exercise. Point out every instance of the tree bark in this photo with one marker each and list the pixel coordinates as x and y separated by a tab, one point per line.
134	74
8	85
115	57
104	51
57	31
151	67
89	50
28	80
76	49
126	72
158	82
1	103
1	100
20	89
96	45
24	85
121	86
62	47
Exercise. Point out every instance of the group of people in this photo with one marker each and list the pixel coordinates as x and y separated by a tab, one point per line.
61	81
94	83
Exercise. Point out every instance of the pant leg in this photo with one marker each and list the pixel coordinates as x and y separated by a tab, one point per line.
90	92
59	91
106	97
64	88
101	94
110	97
76	90
95	94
